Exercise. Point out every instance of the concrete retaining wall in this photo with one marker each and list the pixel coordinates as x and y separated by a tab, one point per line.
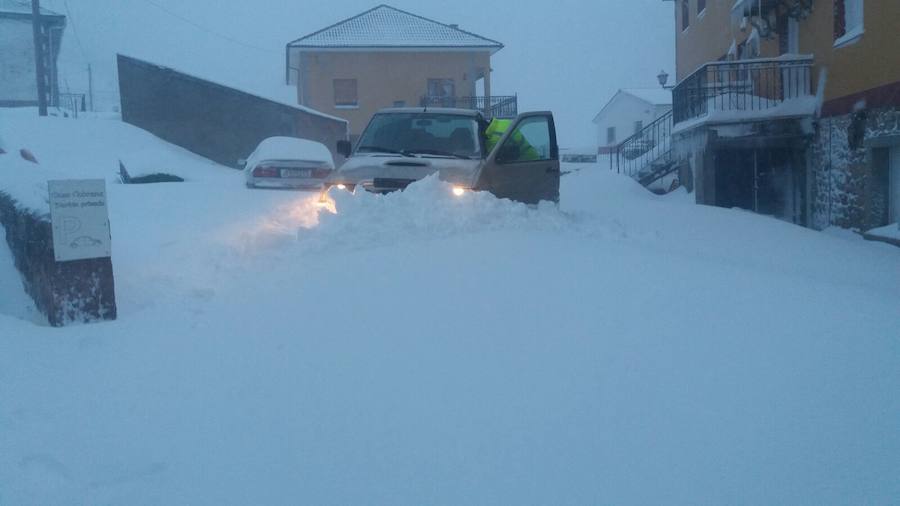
212	120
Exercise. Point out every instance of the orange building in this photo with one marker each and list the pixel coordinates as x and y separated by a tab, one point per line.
386	57
791	108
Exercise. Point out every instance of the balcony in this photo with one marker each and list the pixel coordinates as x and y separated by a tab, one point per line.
745	90
492	107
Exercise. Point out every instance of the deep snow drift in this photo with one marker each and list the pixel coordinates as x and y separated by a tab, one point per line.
420	348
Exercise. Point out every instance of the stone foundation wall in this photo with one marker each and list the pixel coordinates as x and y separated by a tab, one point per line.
65	292
848	172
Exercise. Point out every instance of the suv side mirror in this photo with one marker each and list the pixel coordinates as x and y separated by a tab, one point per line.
344	148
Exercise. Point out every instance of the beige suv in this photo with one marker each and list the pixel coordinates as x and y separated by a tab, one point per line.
401	146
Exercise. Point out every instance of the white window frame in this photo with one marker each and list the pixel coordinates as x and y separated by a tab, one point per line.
854	22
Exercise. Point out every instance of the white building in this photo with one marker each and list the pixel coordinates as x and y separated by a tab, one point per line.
18	84
628	112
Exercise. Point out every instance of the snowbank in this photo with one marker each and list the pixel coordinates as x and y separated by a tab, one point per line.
419	348
889	234
891	231
84	148
427	210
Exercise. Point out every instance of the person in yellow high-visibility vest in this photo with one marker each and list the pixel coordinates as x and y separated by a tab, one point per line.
495	131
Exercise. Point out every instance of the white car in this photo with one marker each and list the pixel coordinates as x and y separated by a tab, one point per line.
288	162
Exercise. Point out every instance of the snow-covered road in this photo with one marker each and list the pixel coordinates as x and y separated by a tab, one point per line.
423	349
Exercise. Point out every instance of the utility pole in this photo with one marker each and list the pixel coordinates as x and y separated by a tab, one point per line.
91	85
39	67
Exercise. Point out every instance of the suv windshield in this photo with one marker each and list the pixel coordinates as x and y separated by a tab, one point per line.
422	134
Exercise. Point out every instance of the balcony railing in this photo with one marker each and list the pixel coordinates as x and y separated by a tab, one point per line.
745	89
492	107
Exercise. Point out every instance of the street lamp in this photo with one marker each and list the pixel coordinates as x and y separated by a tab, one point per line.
663	78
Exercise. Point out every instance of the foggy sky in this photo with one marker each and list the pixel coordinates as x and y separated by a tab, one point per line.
568	56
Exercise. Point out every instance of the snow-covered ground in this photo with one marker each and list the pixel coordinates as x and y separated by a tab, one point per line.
420	348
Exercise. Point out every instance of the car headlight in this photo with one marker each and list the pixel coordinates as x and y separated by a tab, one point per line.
459	191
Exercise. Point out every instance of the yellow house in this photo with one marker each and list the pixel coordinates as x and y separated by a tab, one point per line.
791	108
386	57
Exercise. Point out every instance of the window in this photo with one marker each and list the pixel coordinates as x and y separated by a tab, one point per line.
611	135
701	6
848	21
638	126
434	134
444	88
685	15
345	93
529	142
441	93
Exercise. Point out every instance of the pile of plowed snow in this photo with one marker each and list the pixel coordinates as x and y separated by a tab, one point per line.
426	210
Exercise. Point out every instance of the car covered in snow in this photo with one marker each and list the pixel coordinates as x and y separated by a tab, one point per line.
403	145
288	162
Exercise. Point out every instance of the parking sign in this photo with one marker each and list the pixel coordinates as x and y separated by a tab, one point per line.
80	219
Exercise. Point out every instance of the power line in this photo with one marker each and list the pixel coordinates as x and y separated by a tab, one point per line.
205	29
75	32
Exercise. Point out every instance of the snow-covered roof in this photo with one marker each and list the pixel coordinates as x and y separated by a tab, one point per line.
387	27
654	96
291	148
22	7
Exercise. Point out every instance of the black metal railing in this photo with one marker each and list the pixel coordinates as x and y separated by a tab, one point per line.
492	107
640	152
742	87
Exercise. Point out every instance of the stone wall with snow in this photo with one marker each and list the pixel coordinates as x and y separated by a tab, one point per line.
850	169
80	291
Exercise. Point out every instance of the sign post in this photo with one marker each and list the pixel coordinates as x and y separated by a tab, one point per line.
80	219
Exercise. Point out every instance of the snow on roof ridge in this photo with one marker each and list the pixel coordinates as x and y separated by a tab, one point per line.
655	96
387	26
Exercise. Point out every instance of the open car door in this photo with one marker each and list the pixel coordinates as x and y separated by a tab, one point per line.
524	165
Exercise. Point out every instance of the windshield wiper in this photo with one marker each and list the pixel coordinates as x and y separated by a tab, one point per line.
379	149
440	153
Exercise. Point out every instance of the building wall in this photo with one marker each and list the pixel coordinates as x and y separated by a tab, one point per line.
384	78
17	79
852	69
214	121
709	36
622	112
848	159
870	62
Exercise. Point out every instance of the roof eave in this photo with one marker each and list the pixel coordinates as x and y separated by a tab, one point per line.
54	18
358	47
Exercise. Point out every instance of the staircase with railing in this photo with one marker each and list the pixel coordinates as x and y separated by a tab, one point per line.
647	155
